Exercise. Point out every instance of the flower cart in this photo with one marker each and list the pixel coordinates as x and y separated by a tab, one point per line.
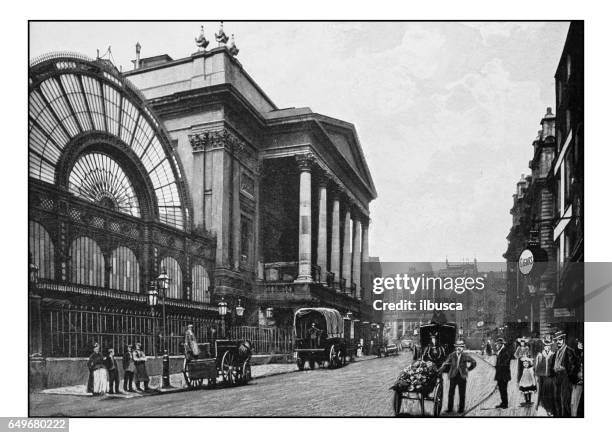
420	382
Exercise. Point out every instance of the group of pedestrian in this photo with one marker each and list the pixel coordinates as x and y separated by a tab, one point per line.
104	370
556	374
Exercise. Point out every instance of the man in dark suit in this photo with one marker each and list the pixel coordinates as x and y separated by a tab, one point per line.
502	371
565	372
458	364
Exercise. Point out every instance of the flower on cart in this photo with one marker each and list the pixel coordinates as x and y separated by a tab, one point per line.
419	376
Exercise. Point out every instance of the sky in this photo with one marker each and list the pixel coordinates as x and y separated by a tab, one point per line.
446	113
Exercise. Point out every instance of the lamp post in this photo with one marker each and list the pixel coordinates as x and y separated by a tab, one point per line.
222	308
34	304
162	286
152	298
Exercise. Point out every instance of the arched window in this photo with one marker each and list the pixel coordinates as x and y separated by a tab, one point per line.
86	262
125	271
173	269
42	250
99	179
201	284
81	96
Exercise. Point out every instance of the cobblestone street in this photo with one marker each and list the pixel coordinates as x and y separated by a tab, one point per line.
359	389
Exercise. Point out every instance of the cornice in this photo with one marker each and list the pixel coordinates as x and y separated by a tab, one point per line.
225	138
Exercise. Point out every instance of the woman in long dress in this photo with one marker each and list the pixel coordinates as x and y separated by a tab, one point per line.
543	368
140	361
98	376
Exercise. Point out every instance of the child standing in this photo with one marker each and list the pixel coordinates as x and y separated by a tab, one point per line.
527	384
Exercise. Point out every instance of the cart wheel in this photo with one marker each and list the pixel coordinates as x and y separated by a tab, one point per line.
437	399
246	372
311	363
397	403
227	370
300	363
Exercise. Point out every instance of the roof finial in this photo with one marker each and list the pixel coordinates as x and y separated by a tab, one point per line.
232	47
221	37
201	40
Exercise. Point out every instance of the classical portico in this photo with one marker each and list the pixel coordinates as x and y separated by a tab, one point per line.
315	249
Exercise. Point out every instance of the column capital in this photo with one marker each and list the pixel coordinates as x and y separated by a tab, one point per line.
305	161
323	179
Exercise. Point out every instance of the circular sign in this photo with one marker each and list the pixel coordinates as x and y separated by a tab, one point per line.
525	262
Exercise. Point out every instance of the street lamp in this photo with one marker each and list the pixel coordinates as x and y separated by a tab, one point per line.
162	285
222	309
239	309
549	299
33	274
152	298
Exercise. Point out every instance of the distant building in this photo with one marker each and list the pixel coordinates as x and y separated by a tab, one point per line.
403	323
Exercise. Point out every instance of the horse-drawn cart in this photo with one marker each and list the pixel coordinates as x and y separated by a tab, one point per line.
421	381
230	361
319	338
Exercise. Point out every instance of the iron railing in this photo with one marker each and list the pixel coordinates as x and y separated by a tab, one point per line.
71	331
265	340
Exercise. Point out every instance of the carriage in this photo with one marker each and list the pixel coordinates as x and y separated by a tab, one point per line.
319	338
230	361
432	390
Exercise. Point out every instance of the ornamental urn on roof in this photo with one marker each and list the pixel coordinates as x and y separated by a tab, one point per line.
232	47
201	40
221	37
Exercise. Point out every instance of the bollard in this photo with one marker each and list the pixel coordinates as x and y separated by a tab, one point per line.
166	370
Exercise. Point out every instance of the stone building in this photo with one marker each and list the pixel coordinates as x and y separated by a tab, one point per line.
548	211
567	180
187	167
518	239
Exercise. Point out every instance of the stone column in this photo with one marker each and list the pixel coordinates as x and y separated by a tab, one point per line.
346	249
335	241
305	226
365	253
357	257
322	235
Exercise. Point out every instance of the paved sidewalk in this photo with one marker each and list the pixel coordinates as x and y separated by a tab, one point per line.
515	399
178	382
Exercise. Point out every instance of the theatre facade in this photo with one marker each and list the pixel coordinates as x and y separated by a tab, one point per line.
185	168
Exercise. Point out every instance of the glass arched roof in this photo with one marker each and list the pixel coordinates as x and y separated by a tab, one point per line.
98	178
76	99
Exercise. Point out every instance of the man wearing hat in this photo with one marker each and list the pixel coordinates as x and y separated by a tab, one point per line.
502	371
564	368
458	364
